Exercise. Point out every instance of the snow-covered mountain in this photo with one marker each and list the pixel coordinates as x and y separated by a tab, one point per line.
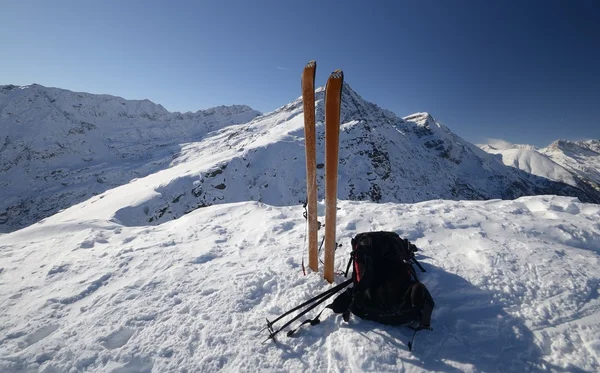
383	158
572	163
58	147
62	147
582	158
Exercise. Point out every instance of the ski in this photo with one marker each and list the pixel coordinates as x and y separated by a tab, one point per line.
308	99
333	100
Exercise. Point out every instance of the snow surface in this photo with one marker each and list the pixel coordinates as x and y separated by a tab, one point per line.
515	285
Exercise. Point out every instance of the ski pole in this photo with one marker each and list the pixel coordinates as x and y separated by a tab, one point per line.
274	333
330	291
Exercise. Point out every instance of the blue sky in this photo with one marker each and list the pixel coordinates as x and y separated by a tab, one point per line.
523	71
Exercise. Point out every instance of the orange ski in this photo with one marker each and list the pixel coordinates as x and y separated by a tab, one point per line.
308	98
333	100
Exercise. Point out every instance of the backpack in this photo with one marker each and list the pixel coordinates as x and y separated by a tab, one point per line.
385	287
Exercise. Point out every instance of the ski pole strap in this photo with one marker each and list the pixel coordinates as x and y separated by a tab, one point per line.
305	215
312	322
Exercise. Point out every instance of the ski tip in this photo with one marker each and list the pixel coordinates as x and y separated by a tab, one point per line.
337	74
311	64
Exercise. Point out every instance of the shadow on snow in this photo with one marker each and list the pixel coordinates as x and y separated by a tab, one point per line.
470	329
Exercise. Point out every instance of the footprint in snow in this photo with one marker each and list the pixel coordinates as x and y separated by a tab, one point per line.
128	239
40	334
351	226
91	288
91	241
284	227
117	339
206	292
204	258
20	292
87	244
16	296
57	269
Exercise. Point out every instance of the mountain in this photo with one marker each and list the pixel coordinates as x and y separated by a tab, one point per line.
582	158
59	147
572	163
62	147
383	158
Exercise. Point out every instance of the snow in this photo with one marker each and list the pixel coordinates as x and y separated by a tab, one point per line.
515	285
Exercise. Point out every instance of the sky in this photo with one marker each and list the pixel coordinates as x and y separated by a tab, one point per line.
522	71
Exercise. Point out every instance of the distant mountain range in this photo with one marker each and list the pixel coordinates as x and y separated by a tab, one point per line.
576	163
60	148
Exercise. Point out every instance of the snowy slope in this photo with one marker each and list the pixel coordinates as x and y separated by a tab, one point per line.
59	147
534	163
573	164
382	158
582	158
515	285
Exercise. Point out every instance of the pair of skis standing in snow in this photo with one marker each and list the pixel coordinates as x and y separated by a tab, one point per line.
386	287
333	99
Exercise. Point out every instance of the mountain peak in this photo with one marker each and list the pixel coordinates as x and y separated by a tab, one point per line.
423	119
586	146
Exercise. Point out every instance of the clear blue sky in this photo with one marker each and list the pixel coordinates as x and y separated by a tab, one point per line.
523	71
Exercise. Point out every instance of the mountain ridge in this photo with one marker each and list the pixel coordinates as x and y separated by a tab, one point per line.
60	147
224	157
575	162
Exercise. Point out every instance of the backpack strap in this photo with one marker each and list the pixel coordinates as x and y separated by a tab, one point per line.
421	298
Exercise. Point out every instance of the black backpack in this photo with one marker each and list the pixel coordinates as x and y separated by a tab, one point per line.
385	287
